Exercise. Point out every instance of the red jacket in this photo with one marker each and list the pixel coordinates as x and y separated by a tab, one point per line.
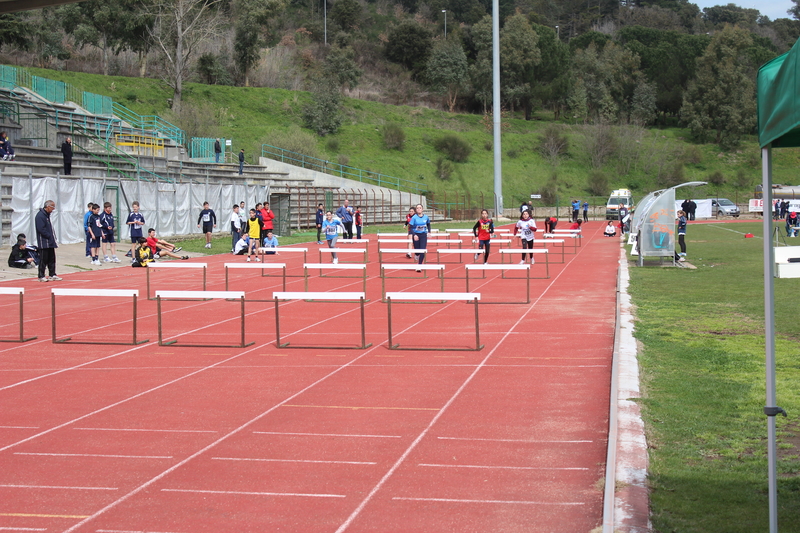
267	215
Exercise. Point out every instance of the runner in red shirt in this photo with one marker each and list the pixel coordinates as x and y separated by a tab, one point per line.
483	231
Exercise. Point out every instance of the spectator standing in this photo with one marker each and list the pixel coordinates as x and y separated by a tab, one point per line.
267	216
95	233
236	226
685	206
254	231
359	222
319	219
86	228
46	238
345	214
241	161
776	209
217	150
623	215
784	208
209	221
135	222
681	236
66	151
576	206
526	206
692	209
586	211
107	237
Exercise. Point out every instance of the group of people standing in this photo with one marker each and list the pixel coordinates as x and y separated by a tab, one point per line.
689	207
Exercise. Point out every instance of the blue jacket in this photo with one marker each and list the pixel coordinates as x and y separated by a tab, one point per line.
45	235
682	226
320	216
344	215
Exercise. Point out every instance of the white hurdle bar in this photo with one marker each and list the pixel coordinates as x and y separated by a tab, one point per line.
253	266
95	293
319	296
331	266
411	251
408	266
503	268
576	239
459	252
289	249
202	295
448	242
21	292
343	251
545	242
473	297
154	264
511	251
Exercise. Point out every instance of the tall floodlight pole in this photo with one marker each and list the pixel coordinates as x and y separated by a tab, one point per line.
445	23
498	169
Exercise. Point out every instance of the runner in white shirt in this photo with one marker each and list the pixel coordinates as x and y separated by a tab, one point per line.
236	227
525	230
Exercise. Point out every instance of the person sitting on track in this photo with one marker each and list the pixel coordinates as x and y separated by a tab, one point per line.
143	254
161	247
242	246
610	230
270	242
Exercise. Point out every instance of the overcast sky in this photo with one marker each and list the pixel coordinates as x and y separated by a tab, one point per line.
774	9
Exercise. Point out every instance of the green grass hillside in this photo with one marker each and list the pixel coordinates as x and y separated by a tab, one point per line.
252	116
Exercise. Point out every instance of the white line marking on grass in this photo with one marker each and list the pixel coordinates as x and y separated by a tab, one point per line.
292	461
247	493
96	455
491	467
56	487
456	500
449	402
526	441
149	430
327	435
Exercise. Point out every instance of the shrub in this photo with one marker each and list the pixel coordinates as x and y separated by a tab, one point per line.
444	168
742	180
553	144
598	183
550	190
323	115
454	147
600	143
343	160
513	153
692	155
294	140
716	178
394	138
488	146
673	175
332	144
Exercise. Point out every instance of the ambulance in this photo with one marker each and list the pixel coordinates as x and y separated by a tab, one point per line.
618	196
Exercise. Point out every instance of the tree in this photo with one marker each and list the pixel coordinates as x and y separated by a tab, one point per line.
15	30
519	53
410	45
340	67
447	70
551	75
481	70
323	114
720	103
180	25
346	13
252	17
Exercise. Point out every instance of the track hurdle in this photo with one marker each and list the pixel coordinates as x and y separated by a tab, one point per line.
403	251
153	265
21	292
408	266
330	266
343	251
319	296
536	251
576	238
253	266
97	293
435	297
545	242
199	295
459	252
263	252
448	242
502	268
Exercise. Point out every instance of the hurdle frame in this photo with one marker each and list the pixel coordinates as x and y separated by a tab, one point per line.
535	251
547	241
459	252
576	239
435	297
21	292
262	252
344	251
193	295
110	293
204	266
403	251
252	266
502	268
331	266
317	297
408	266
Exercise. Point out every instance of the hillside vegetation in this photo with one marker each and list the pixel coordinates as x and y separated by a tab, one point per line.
638	158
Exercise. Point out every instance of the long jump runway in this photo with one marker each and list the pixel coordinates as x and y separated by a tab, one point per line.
175	439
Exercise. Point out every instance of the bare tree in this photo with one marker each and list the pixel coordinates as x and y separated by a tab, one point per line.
180	25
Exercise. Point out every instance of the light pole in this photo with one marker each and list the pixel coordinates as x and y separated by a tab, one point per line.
445	23
558	33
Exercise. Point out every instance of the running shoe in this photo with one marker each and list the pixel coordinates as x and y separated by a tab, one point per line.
55	278
114	259
178	249
43	280
185	257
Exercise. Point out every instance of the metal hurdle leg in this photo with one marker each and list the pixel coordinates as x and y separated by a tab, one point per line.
21	324
242	344
68	340
280	344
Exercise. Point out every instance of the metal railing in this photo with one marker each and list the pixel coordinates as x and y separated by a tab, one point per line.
97	104
150	123
344	171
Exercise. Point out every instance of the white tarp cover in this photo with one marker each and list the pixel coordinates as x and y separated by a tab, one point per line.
703	208
170	208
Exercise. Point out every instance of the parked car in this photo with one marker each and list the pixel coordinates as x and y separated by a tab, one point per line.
724	207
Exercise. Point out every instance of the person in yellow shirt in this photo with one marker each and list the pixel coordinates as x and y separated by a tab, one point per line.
254	230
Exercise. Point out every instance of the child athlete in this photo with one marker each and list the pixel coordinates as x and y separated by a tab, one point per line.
525	230
420	226
254	230
330	226
407	225
483	231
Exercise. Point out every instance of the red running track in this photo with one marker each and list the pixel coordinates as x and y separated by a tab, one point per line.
167	439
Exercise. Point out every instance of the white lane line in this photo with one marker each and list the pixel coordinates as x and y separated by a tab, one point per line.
490	467
519	440
327	435
257	459
248	493
97	455
9	528
349	520
19	427
456	500
129	531
56	487
149	430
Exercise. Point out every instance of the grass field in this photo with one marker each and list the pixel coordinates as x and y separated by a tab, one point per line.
702	365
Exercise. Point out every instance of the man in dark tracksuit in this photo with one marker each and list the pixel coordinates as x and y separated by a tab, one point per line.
47	242
66	150
217	151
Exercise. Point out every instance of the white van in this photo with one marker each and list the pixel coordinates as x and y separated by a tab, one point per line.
618	196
